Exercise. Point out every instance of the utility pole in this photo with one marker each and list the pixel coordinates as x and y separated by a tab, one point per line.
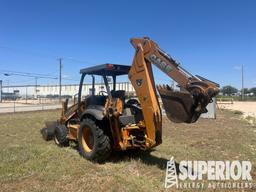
1	83
36	87
8	84
242	71
60	62
26	94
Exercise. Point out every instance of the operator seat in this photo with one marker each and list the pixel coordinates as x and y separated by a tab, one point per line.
118	94
95	100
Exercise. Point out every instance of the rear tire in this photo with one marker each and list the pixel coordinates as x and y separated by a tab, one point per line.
93	143
60	137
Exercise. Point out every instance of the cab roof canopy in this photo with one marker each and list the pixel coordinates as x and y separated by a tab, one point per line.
107	69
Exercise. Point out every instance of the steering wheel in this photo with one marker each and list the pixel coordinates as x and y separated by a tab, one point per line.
103	93
133	102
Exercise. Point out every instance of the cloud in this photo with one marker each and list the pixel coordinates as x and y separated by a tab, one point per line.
66	76
237	67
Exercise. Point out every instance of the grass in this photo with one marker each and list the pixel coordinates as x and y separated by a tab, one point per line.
235	98
247	118
28	163
237	112
251	119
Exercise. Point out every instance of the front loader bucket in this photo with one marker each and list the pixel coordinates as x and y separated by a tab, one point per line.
49	130
179	105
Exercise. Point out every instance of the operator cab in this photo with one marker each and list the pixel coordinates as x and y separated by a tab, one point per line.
105	71
96	101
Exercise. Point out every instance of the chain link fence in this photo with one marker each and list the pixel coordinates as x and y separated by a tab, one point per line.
44	97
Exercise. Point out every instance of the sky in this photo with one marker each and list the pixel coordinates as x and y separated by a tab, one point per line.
211	38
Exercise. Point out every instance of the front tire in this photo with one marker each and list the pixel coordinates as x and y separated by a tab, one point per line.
60	137
93	143
47	133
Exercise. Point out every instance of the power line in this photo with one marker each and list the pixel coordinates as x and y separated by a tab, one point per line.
8	82
29	75
27	52
26	74
45	55
78	60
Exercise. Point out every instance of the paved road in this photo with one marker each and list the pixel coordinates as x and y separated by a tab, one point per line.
18	107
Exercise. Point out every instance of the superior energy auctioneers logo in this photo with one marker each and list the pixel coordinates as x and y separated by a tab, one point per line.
209	175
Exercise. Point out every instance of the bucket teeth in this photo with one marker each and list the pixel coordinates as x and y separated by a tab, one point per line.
164	88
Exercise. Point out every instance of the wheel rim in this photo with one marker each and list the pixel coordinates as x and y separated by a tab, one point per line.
56	140
87	139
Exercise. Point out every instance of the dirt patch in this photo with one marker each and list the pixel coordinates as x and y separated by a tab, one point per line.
248	108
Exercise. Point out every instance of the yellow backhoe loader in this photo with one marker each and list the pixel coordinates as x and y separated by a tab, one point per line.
108	121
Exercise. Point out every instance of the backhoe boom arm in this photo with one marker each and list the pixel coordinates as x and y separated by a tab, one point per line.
185	105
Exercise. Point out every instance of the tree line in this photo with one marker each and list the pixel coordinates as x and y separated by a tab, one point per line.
230	90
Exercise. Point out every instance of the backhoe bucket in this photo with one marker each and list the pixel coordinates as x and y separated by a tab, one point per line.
179	105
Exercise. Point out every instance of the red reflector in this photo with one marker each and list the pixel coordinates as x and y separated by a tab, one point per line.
110	66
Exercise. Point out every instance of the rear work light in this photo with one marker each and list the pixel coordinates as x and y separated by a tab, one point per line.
110	66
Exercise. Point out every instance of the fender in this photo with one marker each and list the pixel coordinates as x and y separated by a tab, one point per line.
95	111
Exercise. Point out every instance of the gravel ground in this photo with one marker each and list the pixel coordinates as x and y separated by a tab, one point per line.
248	108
